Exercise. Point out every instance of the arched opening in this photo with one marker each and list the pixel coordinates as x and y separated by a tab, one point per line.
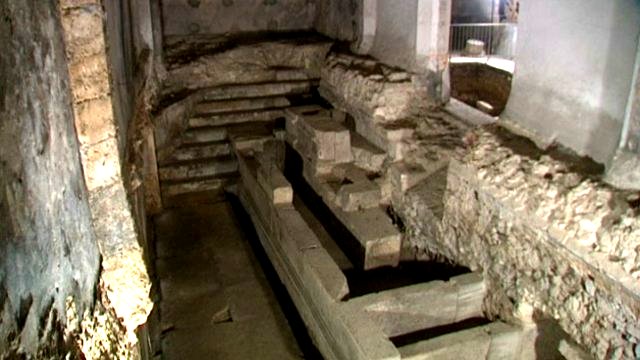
482	47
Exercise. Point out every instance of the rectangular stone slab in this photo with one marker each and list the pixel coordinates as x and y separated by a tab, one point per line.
423	306
318	137
359	195
380	239
236	118
273	182
312	278
199	151
490	342
198	168
227	92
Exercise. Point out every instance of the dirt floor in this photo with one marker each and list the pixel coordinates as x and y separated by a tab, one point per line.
217	302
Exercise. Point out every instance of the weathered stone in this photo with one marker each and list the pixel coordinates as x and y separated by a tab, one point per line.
405	176
101	164
216	149
228	92
236	105
199	168
319	138
367	155
362	94
275	184
272	61
423	306
204	135
49	256
359	195
236	118
94	121
493	341
485	204
208	183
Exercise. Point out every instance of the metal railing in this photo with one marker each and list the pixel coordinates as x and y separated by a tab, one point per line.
499	38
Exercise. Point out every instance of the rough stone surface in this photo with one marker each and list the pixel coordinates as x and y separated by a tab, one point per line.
270	61
543	233
368	88
126	279
541	226
49	252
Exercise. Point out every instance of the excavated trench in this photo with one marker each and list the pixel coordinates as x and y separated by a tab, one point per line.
262	253
220	292
218	284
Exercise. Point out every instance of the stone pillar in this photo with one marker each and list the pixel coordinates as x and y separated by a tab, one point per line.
124	271
432	46
368	25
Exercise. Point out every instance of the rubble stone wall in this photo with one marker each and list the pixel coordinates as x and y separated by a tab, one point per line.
542	226
544	234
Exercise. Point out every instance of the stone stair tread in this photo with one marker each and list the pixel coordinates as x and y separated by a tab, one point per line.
208	134
235	91
198	161
241	105
198	151
200	184
222	176
202	144
263	115
199	168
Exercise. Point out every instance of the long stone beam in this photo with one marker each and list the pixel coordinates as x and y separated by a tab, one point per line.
422	306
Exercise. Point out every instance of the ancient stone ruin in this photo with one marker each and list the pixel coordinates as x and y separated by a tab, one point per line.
286	179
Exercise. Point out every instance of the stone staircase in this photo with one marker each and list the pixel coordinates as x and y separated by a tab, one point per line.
203	160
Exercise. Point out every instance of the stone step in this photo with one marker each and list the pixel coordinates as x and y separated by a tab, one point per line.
199	151
198	184
317	137
199	168
240	105
208	134
423	306
204	135
236	118
228	92
490	342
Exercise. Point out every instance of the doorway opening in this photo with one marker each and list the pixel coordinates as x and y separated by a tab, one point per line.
482	46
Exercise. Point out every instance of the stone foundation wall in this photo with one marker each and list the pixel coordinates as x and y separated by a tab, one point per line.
545	235
548	235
